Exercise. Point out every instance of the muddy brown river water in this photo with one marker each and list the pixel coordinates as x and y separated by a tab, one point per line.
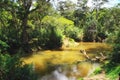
69	63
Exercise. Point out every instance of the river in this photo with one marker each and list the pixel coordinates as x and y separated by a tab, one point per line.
70	63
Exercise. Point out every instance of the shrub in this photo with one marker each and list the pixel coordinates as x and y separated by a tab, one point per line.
73	32
66	26
48	37
10	36
112	70
3	46
114	73
113	67
54	38
111	37
116	50
12	68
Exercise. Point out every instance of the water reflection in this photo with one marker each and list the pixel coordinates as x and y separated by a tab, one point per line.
55	75
71	72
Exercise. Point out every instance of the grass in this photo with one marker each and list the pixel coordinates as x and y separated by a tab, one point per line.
112	70
114	73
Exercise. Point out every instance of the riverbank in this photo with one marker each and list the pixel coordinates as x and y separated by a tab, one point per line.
109	71
101	76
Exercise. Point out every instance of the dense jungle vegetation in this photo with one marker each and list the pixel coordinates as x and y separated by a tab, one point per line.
32	25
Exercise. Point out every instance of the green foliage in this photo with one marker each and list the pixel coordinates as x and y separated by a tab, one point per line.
3	46
90	31
111	37
74	33
114	73
98	70
112	70
58	21
66	9
116	50
48	37
23	26
113	67
12	68
10	35
66	26
53	39
80	18
16	22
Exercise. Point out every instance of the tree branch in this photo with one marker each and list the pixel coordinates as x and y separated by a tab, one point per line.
34	9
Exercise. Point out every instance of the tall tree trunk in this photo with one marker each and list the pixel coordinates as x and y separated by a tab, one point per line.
24	31
24	35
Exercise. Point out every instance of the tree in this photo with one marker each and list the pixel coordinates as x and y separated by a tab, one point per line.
21	10
82	5
66	8
26	6
97	5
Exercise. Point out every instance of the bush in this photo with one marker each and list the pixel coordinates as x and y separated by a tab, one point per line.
116	50
114	73
3	46
48	37
73	32
113	67
112	70
54	38
11	37
12	68
111	37
66	26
